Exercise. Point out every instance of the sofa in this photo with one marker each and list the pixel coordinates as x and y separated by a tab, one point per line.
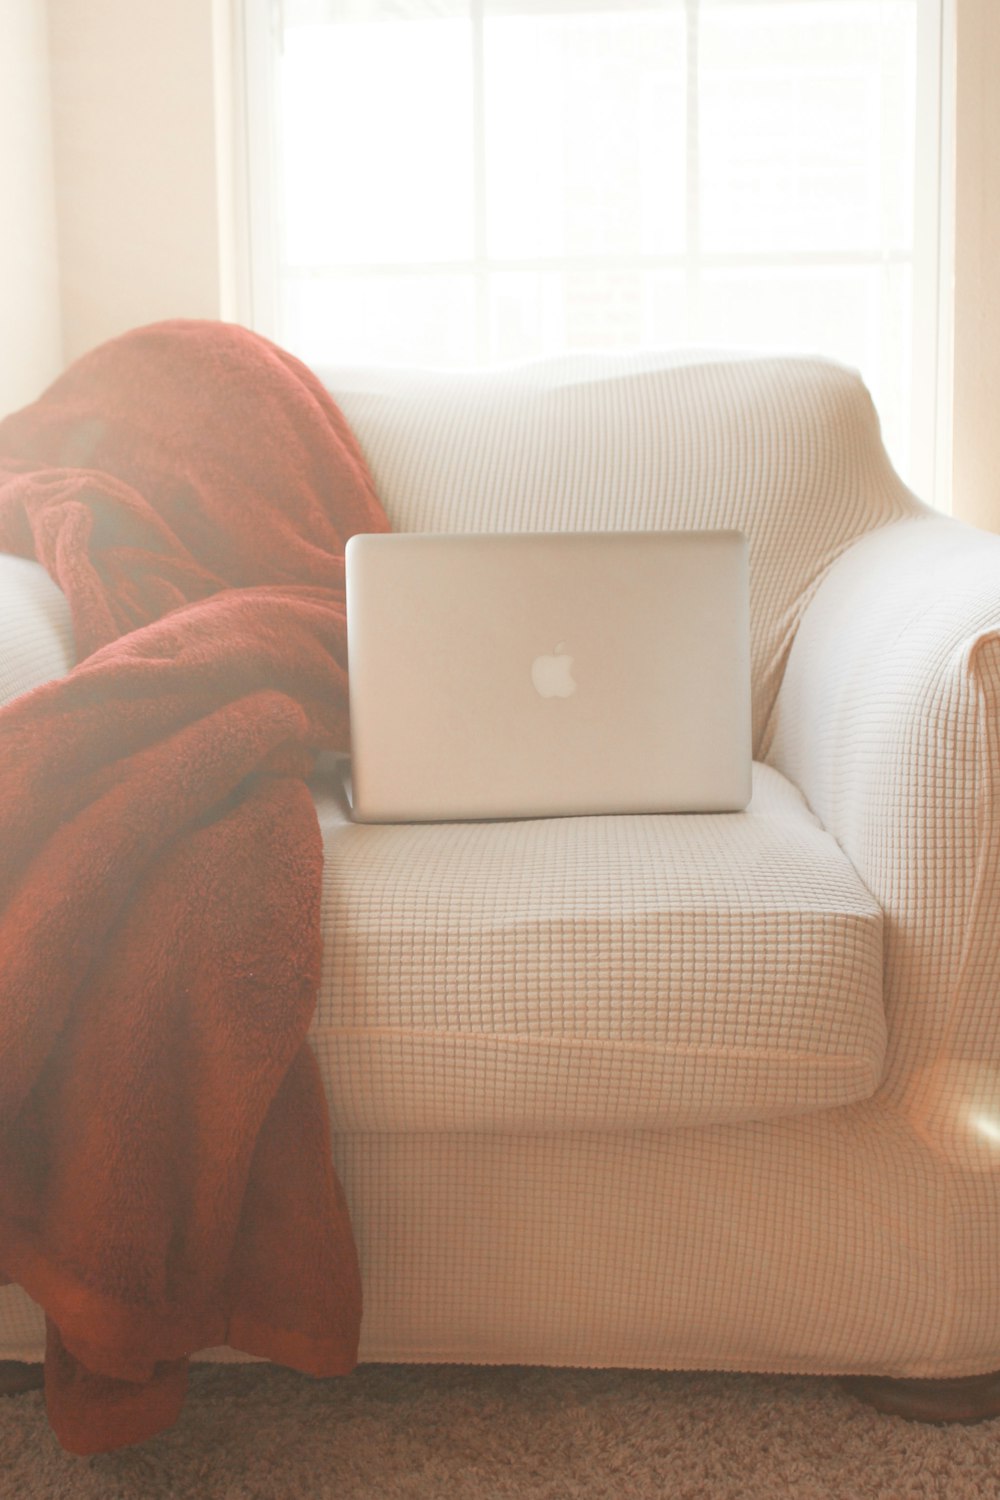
676	1091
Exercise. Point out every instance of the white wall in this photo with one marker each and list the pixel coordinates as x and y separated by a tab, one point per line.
134	128
30	334
976	252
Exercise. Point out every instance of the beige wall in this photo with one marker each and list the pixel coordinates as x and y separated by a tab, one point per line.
134	132
976	408
30	335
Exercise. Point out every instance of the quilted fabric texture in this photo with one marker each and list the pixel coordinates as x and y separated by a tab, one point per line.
36	632
861	1238
889	721
787	451
595	972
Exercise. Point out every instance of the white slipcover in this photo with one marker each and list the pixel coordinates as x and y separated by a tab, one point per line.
855	1238
595	972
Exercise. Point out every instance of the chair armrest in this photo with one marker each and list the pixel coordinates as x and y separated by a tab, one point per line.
36	633
888	720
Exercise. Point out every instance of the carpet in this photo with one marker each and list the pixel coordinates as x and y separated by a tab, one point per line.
459	1432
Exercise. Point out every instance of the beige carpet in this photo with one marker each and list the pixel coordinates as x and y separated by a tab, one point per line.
455	1432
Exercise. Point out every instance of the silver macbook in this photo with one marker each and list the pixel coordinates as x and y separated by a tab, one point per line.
548	673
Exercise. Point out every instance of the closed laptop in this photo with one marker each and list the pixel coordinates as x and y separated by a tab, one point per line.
548	674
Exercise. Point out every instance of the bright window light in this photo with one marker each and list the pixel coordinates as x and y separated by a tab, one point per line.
466	182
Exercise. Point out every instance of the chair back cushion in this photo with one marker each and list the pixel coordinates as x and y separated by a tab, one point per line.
785	449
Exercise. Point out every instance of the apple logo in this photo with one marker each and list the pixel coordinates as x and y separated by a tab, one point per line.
552	675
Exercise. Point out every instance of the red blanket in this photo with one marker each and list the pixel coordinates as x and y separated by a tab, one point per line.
165	1173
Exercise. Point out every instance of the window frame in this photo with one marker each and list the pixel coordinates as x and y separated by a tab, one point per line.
254	40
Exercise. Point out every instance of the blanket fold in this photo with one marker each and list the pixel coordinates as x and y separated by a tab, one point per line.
165	1174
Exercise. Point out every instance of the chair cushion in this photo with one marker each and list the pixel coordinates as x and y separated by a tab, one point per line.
597	972
36	632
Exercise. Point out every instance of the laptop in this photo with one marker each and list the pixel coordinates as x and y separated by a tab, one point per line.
548	674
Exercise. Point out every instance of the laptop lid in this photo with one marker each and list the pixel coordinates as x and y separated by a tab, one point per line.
548	673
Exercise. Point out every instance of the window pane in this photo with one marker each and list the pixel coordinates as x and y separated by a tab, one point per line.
375	121
532	313
857	314
467	181
806	125
585	130
419	319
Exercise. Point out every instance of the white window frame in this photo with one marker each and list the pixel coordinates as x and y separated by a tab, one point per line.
252	36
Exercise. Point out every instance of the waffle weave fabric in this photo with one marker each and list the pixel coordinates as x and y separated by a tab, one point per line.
788	451
858	1238
595	972
888	719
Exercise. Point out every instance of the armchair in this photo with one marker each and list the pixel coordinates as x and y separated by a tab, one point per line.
677	1092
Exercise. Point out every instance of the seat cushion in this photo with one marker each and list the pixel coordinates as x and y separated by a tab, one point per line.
36	632
596	972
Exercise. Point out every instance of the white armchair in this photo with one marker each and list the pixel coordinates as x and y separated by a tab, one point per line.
678	1092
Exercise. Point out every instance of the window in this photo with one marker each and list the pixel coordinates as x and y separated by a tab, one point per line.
462	182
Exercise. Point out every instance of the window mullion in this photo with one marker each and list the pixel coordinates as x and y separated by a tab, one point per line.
479	180
692	208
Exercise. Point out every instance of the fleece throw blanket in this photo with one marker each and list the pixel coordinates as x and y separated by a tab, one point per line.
165	1173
